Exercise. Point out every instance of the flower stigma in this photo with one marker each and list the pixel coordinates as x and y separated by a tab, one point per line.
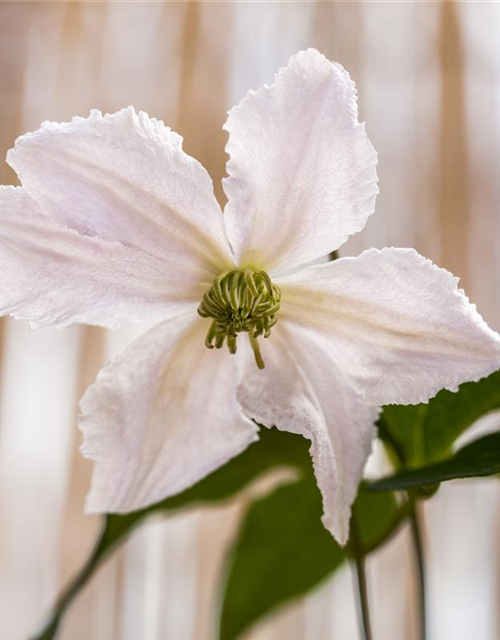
237	301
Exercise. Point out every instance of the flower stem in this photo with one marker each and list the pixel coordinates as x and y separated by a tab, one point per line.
363	610
420	565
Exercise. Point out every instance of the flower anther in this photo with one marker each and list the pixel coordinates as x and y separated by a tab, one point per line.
240	301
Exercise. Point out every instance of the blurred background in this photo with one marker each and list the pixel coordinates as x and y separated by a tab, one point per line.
428	76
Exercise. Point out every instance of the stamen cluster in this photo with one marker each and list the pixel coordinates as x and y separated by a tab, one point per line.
240	300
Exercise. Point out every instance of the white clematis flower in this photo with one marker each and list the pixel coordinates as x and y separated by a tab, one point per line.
114	222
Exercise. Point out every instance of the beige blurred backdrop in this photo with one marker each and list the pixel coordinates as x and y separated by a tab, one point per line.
428	77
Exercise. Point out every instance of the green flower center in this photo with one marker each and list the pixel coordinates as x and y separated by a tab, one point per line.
239	301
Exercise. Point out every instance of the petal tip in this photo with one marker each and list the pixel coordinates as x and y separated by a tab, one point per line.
338	527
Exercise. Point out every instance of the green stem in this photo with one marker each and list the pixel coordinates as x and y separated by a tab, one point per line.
364	610
420	562
365	630
50	629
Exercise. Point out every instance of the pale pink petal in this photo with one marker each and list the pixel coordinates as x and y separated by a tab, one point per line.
161	417
124	177
52	275
302	172
397	325
301	390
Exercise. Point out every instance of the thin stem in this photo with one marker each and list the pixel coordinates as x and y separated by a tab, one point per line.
49	631
420	562
364	611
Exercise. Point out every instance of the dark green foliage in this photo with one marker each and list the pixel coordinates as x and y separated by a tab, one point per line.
423	434
479	458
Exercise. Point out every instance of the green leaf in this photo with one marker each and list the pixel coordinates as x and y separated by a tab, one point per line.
423	434
480	458
283	550
374	520
273	449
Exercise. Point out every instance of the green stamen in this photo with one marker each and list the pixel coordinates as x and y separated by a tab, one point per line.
240	300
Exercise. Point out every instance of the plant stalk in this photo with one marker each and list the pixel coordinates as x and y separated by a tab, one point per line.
418	548
363	607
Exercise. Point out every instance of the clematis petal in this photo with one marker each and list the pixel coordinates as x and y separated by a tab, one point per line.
302	174
161	417
52	275
124	177
397	324
301	390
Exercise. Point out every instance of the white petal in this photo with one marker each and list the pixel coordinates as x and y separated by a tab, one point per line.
397	324
125	177
161	417
51	274
302	172
301	390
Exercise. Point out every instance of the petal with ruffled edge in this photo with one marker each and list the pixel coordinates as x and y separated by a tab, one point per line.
124	177
161	417
302	174
52	275
301	390
396	324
